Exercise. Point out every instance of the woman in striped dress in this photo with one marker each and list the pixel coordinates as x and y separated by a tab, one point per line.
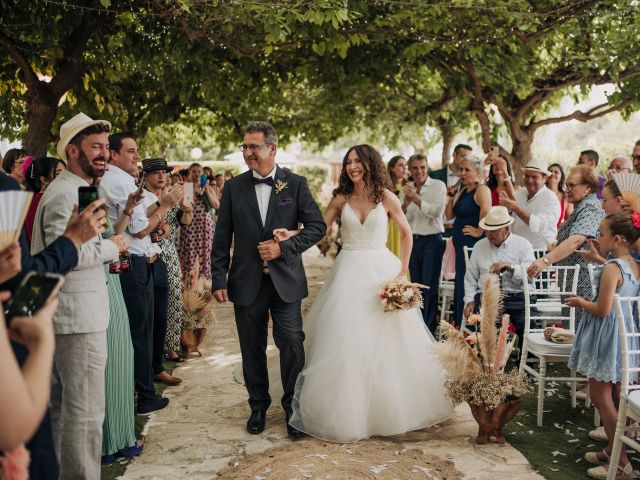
118	434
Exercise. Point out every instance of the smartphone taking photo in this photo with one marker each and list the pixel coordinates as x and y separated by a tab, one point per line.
33	293
187	190
86	195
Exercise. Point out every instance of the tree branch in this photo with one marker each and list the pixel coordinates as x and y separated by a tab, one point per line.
580	115
31	79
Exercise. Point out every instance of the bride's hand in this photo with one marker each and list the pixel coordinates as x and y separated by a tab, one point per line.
403	275
282	234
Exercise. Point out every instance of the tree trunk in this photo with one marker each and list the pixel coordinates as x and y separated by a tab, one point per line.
42	108
521	153
447	141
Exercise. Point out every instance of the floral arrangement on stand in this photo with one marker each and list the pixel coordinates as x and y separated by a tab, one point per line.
198	307
399	294
475	366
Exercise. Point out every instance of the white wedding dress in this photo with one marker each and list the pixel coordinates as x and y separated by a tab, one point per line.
368	372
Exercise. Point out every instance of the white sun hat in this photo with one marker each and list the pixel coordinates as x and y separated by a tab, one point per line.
498	217
71	128
538	165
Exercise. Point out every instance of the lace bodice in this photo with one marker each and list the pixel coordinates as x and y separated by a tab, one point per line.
364	236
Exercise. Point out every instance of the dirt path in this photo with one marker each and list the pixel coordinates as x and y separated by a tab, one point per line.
203	429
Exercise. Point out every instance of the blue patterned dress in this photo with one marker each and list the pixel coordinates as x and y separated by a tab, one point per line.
596	348
584	220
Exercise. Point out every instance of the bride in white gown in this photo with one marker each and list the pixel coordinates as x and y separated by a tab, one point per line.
367	372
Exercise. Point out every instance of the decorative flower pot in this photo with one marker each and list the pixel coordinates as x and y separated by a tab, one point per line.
491	421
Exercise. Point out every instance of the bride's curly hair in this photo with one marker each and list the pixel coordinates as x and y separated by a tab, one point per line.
376	178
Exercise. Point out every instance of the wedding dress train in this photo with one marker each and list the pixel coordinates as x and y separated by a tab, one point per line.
367	372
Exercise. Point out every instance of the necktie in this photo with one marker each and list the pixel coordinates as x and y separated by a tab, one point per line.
267	181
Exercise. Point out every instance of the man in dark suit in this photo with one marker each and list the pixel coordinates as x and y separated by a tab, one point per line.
265	276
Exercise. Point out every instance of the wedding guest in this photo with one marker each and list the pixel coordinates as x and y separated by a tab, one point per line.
25	394
619	164
499	179
582	184
39	173
82	319
12	163
635	156
397	169
449	175
196	239
555	183
156	170
147	269
501	252
596	347
423	202
467	205
536	208
591	159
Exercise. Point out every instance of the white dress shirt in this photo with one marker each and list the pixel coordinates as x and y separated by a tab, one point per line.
452	178
427	218
515	250
544	208
115	187
263	192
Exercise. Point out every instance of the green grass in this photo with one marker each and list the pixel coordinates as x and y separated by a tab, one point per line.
564	430
111	471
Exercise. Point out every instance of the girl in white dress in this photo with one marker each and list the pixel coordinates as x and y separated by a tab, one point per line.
367	372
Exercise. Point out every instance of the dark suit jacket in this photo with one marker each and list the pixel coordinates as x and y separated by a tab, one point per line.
239	220
61	256
440	174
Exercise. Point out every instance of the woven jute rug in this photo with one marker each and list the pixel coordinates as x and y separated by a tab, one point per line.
318	460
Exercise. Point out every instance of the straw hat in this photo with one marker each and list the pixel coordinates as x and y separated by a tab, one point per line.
539	166
498	217
71	128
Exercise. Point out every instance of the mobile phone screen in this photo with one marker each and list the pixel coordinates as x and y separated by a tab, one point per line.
32	294
86	195
203	180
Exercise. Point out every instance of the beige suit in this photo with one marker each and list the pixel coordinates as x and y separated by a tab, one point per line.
77	391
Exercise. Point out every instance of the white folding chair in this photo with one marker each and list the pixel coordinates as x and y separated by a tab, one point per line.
553	283
629	406
467	256
445	297
539	252
587	401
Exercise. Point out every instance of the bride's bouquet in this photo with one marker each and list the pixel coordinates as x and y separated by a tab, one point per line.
399	294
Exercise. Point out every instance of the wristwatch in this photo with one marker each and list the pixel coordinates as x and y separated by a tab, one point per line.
157	204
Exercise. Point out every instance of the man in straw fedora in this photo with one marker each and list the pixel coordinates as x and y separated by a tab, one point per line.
536	208
500	252
80	323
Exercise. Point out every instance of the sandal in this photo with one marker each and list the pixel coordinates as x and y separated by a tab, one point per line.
133	451
175	357
596	458
601	472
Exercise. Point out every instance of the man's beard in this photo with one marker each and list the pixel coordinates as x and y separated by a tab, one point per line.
87	165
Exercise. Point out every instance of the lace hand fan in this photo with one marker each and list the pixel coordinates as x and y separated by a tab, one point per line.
629	186
14	205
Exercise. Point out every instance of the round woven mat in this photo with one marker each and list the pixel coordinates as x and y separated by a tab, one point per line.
317	460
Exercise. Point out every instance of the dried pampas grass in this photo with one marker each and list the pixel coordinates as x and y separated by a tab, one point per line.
491	305
460	361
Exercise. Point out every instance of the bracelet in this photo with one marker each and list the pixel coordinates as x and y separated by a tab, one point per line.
546	260
159	217
129	213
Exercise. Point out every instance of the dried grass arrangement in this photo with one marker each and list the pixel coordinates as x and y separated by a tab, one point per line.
475	365
198	306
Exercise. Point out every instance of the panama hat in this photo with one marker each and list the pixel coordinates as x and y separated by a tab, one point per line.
71	128
498	217
539	166
155	165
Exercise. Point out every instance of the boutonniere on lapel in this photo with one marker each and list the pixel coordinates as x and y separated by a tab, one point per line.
279	187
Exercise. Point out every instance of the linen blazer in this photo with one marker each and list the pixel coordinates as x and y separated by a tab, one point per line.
84	301
239	220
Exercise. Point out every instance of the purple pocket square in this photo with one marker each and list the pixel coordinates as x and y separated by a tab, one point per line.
285	201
